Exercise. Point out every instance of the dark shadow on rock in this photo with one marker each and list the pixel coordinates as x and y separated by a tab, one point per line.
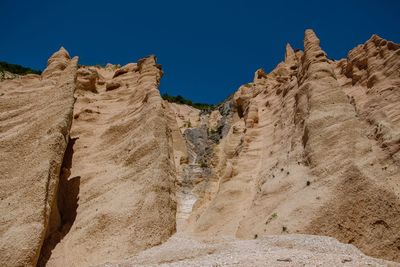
67	202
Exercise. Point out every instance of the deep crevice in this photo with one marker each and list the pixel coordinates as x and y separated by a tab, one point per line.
67	204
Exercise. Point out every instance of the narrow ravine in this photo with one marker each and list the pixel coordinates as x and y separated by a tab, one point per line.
197	170
198	178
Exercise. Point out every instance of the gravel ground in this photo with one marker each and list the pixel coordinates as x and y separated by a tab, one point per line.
282	250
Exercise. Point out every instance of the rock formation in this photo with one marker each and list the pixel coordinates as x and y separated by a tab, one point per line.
36	117
370	77
313	147
56	63
123	170
301	157
87	79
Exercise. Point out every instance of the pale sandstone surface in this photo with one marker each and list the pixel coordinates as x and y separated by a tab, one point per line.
370	76
310	148
300	158
86	79
56	63
36	116
186	116
122	161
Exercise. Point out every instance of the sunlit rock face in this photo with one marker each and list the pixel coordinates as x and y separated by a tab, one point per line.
312	148
98	169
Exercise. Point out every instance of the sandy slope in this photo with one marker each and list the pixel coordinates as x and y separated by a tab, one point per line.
273	250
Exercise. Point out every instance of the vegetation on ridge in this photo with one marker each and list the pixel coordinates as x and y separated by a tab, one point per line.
17	69
181	100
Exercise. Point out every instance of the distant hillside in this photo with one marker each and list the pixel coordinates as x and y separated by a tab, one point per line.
17	69
181	100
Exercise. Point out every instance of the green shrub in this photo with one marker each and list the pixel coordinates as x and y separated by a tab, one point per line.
203	164
181	100
17	69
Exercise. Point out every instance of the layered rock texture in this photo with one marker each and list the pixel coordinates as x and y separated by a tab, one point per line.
98	170
36	116
120	174
310	150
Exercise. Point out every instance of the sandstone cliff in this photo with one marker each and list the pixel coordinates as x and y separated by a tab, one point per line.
311	150
313	147
36	116
121	169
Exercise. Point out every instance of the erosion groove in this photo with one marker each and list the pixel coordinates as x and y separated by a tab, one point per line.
63	212
99	170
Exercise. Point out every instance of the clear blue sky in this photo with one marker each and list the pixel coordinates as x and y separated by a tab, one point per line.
207	48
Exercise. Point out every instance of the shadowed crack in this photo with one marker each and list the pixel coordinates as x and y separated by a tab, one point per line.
67	203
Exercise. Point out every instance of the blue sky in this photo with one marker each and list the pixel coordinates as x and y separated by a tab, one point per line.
207	48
